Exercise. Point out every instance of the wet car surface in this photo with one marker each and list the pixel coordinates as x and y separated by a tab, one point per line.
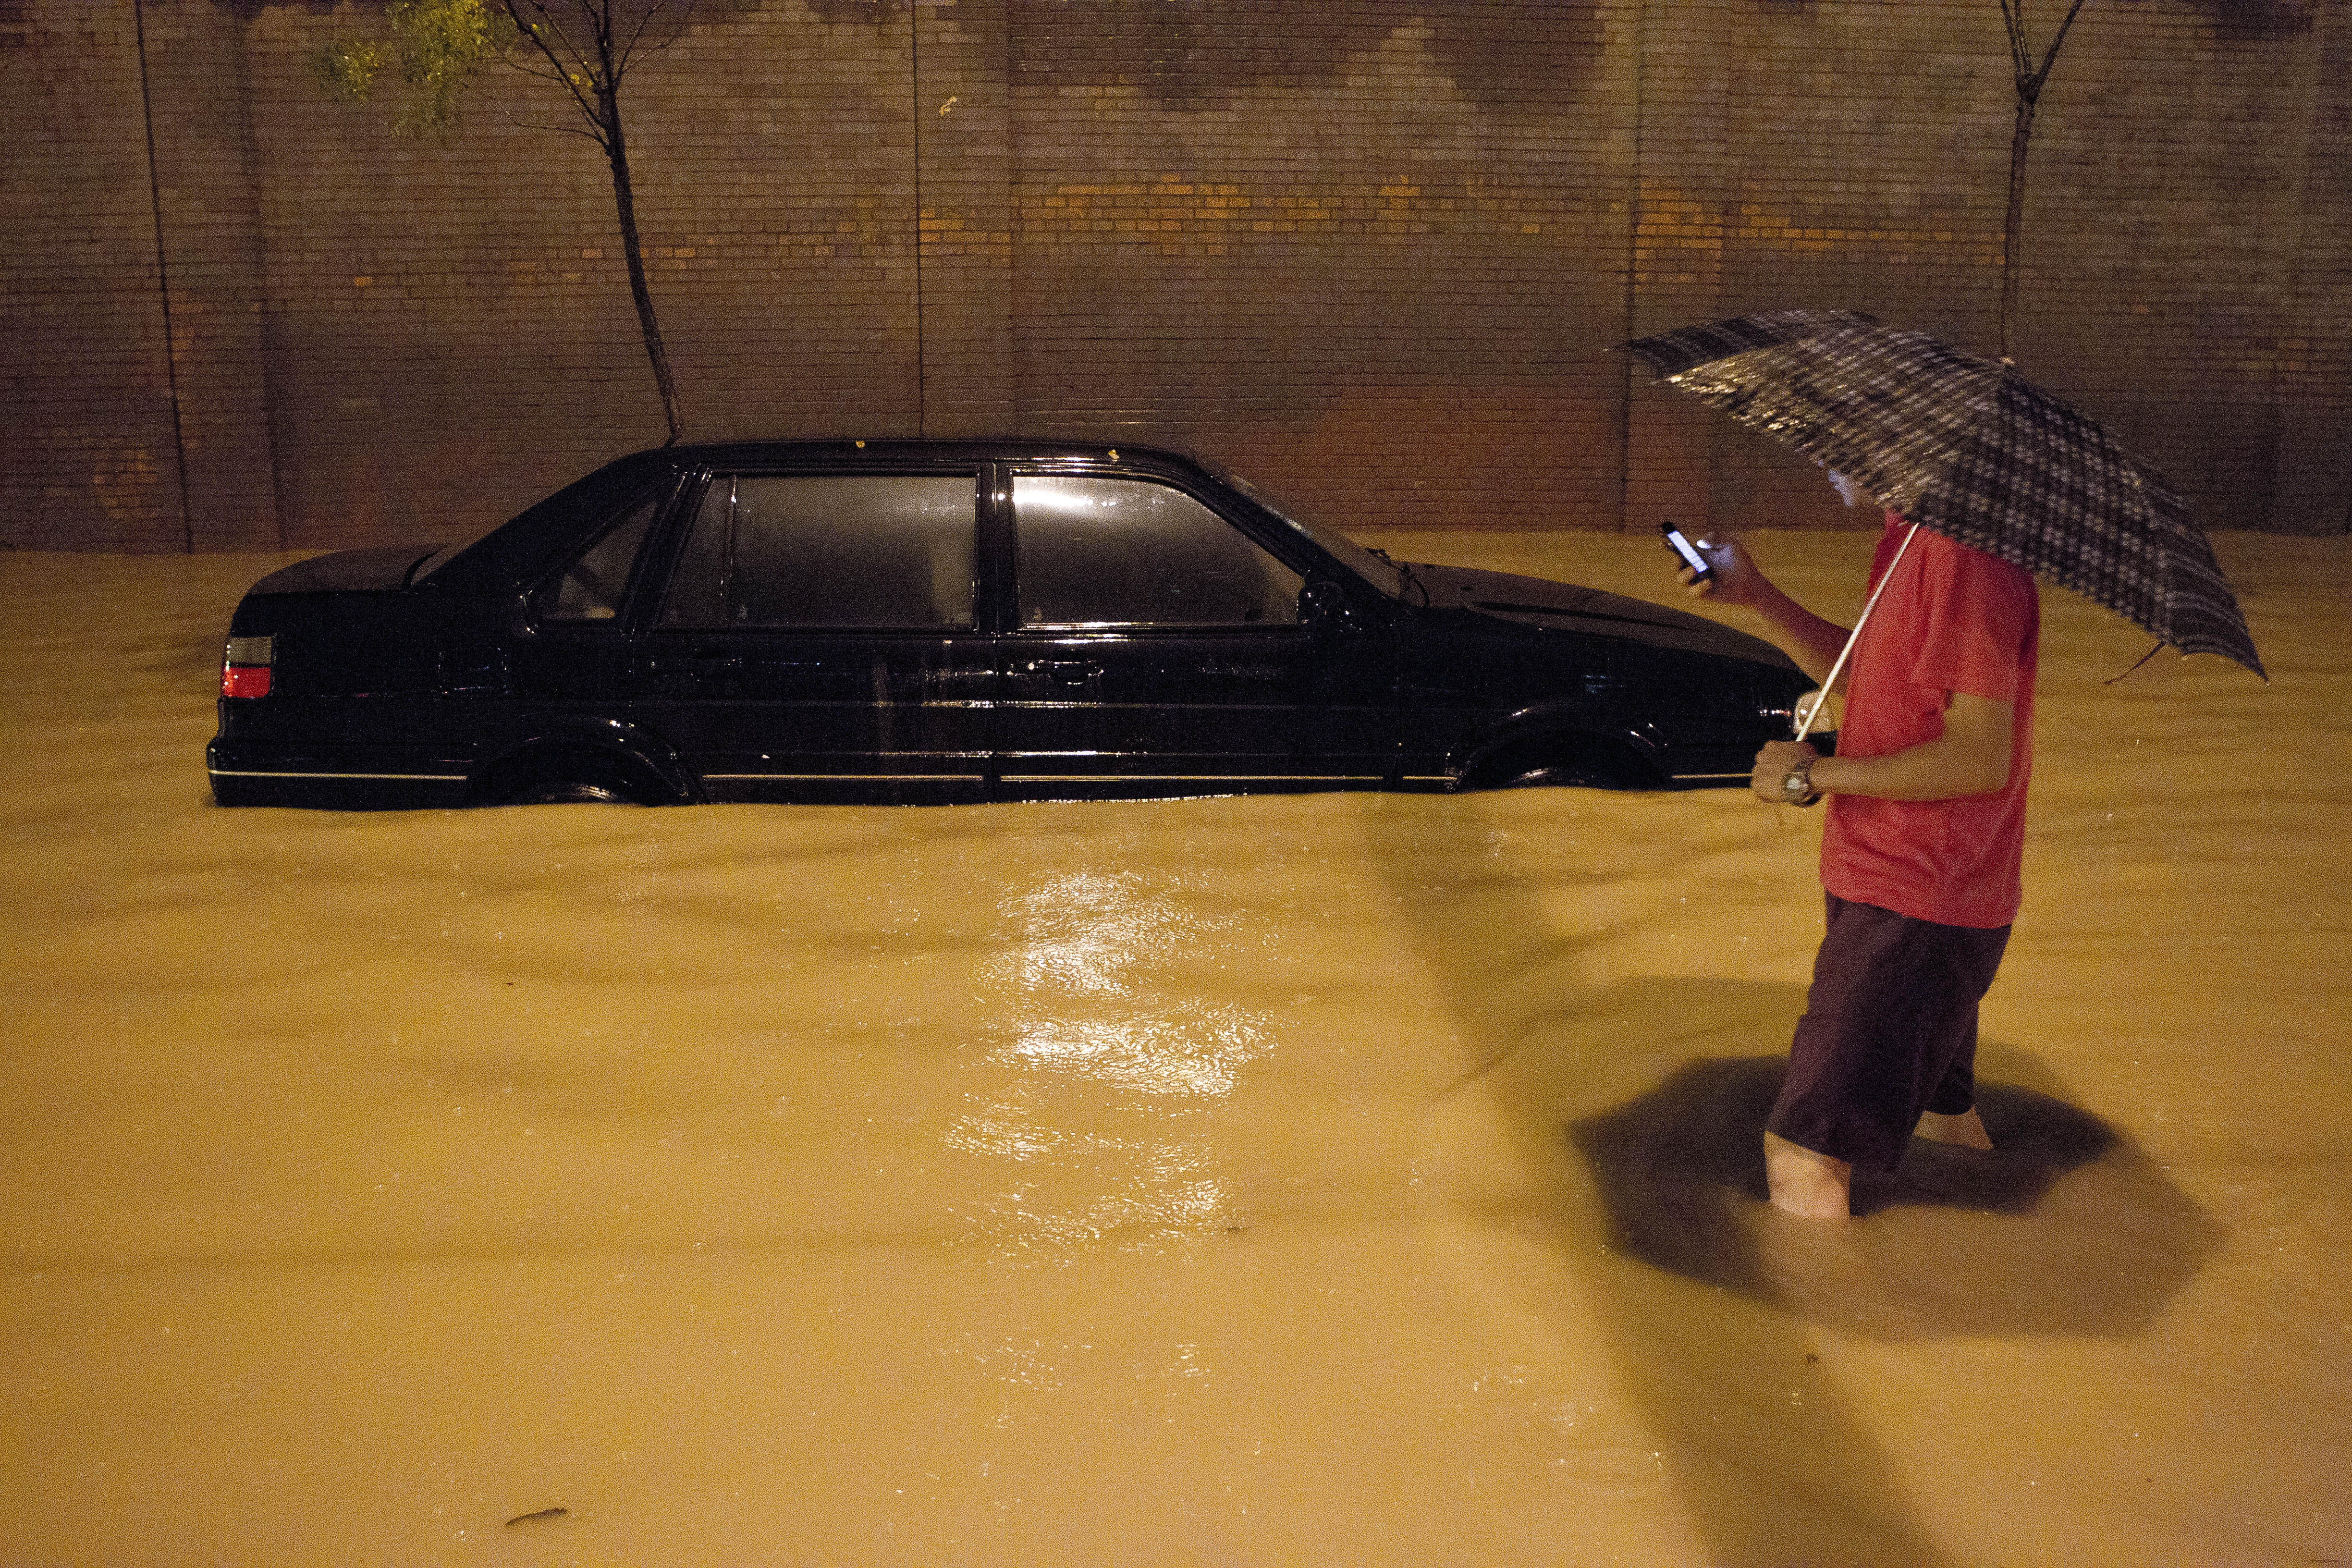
951	621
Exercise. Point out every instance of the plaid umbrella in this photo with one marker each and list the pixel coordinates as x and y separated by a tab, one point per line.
1971	449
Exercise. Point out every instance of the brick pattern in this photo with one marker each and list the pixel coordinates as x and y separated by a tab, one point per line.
963	302
208	207
1374	255
89	455
1319	258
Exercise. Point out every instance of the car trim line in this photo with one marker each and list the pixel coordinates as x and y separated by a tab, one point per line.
271	774
846	778
1195	778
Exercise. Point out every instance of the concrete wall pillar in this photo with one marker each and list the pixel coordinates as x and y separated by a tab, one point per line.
962	91
1680	193
209	201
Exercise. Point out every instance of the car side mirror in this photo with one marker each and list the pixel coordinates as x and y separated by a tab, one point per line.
1327	611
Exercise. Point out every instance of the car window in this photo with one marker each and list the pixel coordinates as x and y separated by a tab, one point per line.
1129	552
829	549
592	587
1372	565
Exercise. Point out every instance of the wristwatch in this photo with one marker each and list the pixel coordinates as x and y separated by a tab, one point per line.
1797	785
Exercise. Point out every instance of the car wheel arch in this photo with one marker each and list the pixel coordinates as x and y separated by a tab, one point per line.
1561	751
586	762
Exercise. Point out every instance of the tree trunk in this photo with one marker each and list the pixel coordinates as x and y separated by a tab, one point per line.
616	151
2029	81
2011	230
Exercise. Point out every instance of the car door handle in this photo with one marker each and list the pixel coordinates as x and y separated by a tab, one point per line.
1065	671
693	666
958	685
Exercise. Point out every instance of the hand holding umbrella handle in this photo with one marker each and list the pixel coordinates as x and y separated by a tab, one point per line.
1799	785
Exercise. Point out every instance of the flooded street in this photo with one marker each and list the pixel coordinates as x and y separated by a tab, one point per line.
1334	1179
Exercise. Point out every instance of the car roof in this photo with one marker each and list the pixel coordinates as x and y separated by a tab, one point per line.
932	449
531	541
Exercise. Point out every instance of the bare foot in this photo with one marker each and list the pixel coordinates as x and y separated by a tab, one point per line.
1966	1129
1805	1183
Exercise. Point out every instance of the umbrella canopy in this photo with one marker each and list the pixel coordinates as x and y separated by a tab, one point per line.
1971	448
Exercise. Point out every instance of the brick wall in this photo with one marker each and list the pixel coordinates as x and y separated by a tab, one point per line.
1374	254
1378	259
89	456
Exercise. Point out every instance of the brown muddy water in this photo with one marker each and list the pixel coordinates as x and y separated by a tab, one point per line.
1342	1179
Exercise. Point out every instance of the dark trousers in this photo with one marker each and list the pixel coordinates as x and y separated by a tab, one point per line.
1889	1031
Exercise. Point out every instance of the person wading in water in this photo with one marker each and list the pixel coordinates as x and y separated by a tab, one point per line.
1920	853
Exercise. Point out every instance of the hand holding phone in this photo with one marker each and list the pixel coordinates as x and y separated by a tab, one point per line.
1702	569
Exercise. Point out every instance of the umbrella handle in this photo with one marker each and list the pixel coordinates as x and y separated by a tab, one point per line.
1806	725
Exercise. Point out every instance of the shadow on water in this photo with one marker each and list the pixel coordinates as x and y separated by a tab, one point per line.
1713	1304
2065	1227
1762	1478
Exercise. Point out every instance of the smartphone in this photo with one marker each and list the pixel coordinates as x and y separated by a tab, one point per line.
1701	569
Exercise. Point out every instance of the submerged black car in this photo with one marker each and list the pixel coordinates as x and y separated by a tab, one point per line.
951	621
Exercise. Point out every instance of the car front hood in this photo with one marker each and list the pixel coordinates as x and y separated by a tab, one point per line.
347	571
1563	606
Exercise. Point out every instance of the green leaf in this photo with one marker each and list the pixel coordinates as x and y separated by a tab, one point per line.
442	43
348	67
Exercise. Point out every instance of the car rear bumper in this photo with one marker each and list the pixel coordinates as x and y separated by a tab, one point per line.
251	777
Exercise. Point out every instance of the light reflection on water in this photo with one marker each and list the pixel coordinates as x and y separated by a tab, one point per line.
1101	1082
1081	932
1200	1054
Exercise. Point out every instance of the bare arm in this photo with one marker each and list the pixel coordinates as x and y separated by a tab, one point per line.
1814	643
1970	757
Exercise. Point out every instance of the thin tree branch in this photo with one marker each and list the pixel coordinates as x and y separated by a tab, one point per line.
570	61
2012	16
685	16
537	72
582	132
553	25
564	73
644	20
2049	57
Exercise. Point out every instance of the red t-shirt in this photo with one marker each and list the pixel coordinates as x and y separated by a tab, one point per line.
1952	619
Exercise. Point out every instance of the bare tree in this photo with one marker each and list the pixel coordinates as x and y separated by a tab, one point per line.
586	48
2029	81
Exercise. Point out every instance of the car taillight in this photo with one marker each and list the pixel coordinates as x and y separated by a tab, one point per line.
245	669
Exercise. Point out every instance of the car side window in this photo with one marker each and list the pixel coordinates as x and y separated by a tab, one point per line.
1129	552
590	588
829	551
